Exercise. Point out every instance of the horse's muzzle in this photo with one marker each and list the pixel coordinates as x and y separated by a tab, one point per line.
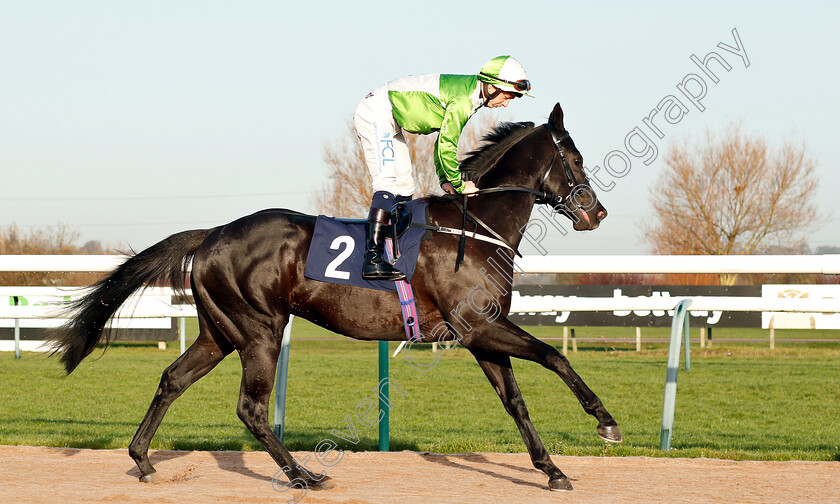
588	220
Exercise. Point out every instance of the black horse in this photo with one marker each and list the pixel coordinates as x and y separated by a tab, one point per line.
248	278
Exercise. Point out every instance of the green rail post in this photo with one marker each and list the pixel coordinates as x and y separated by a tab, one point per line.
281	381
679	322
384	441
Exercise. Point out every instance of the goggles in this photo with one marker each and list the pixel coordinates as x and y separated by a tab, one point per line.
520	85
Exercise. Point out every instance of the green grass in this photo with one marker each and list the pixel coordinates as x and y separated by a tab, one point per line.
739	401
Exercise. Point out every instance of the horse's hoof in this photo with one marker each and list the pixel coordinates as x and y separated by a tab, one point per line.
152	477
610	433
560	485
326	483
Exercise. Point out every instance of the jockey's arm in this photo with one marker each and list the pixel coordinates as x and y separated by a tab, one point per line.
446	148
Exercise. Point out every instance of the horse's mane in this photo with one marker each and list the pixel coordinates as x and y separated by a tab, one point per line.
494	145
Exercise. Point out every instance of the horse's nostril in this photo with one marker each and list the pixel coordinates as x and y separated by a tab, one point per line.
602	214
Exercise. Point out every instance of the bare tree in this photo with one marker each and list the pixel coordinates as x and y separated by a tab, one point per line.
48	240
348	192
733	196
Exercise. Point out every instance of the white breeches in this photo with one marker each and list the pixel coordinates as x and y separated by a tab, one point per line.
386	154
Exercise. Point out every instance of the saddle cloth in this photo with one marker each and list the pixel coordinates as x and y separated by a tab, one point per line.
336	254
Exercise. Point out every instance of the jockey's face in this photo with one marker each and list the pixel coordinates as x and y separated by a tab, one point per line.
501	100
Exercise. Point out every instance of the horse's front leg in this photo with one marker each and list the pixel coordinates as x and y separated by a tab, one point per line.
500	373
505	337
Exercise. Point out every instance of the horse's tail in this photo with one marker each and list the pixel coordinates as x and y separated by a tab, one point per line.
165	261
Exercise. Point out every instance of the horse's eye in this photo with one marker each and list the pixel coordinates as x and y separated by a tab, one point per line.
579	162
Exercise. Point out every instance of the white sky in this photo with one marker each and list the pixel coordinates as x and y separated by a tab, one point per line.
130	121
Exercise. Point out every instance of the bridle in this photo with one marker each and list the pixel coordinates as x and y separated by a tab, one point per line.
543	197
570	175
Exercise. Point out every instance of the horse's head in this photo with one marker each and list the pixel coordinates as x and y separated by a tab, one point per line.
566	181
542	160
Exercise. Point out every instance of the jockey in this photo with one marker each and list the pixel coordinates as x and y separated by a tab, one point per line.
423	104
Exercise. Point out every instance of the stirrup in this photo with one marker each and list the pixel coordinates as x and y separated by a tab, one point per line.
381	271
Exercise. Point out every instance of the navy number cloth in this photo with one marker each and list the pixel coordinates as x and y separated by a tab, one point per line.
337	250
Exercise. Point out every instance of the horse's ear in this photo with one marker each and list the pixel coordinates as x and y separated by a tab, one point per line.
556	118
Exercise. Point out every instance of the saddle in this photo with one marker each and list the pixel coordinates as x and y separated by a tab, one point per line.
336	252
401	218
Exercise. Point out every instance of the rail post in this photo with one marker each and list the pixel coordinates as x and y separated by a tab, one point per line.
182	334
384	406
281	381
17	338
17	331
678	324
565	340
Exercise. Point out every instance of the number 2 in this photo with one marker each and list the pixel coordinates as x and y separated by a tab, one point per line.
332	268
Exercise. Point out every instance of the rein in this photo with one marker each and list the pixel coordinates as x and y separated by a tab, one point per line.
543	198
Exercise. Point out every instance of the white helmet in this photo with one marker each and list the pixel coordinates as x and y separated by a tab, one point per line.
507	74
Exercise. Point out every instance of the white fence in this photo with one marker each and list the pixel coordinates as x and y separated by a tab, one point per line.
44	307
822	264
828	264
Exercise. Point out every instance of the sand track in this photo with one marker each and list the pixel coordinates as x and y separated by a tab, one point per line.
49	475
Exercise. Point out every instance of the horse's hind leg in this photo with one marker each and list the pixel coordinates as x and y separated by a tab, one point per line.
259	363
498	370
197	360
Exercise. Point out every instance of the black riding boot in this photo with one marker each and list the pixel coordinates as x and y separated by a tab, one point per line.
376	267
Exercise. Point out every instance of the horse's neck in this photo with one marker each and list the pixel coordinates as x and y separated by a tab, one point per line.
507	213
523	165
